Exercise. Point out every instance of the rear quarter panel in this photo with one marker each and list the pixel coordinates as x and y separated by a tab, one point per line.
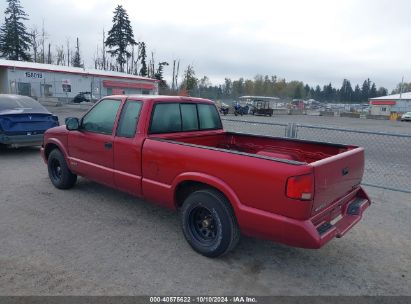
258	183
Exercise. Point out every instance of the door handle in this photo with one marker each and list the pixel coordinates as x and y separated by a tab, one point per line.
108	145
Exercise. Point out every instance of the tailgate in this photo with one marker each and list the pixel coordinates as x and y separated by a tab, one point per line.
335	176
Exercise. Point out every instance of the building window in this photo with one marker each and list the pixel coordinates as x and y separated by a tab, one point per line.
146	92
384	109
24	88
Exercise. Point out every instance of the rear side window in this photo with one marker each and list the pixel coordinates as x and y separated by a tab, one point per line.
176	117
128	120
209	118
102	117
166	118
189	116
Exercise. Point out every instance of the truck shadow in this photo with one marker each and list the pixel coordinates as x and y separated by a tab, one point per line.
21	151
130	210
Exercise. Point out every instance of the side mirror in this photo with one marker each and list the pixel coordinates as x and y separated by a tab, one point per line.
72	123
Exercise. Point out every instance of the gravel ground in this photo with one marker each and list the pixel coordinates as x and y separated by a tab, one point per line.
92	240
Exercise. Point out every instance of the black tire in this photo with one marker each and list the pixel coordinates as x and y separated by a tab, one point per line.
59	173
209	224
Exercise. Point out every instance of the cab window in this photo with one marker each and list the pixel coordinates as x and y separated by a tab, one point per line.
178	117
166	118
189	116
208	116
102	117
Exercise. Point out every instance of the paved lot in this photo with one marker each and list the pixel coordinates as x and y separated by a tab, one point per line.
93	240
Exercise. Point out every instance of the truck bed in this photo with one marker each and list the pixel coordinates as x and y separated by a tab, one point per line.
281	149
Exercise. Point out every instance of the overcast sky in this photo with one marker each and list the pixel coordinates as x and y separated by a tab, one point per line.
314	41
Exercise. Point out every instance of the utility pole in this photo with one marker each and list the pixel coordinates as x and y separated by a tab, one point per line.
68	52
174	71
104	50
178	68
49	55
43	34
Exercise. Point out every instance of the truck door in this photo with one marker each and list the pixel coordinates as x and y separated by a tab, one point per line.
91	147
127	149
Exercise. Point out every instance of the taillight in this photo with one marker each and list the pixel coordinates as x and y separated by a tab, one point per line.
300	187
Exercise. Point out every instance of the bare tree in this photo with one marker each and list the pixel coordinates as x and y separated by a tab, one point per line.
35	43
43	38
60	55
174	84
151	66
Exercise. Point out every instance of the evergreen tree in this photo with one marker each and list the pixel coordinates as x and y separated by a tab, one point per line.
382	92
346	91
190	81
318	95
365	90
307	90
14	38
311	94
357	94
328	92
159	76
143	56
373	91
120	37
76	60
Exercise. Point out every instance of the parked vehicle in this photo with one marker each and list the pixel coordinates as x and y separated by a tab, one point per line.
262	108
174	151
23	121
240	110
84	97
406	117
224	109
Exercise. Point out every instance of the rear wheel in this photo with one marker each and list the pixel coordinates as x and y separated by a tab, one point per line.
59	173
209	223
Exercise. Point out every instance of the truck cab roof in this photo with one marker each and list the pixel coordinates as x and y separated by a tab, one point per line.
163	98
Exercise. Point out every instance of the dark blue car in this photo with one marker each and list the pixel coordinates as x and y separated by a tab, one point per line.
23	121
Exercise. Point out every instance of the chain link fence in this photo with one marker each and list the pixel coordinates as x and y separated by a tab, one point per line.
387	155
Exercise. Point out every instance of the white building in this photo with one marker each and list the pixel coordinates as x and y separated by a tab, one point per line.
53	81
386	105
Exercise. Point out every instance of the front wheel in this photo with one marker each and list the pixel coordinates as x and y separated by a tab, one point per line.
209	223
59	173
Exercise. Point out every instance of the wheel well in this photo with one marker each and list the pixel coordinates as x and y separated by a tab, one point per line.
49	148
185	188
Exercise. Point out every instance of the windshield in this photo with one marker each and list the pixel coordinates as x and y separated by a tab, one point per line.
20	104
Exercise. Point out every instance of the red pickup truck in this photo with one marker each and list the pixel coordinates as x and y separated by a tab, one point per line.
174	151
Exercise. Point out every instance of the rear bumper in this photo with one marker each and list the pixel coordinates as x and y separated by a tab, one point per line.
22	140
334	221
